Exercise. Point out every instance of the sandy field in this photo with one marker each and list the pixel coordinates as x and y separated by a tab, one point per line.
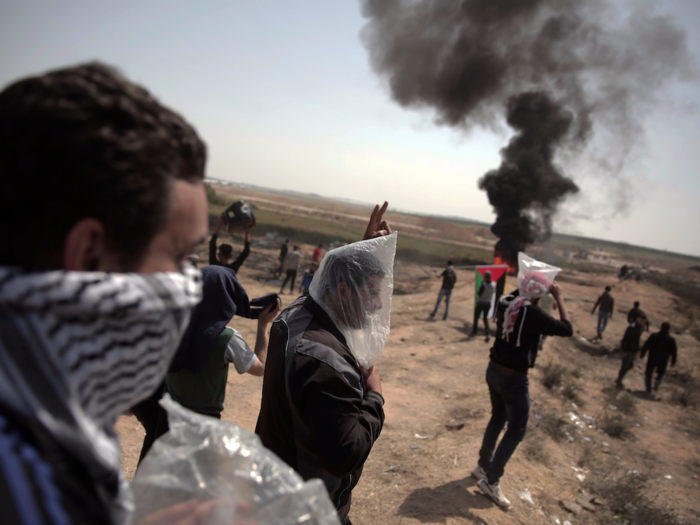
437	408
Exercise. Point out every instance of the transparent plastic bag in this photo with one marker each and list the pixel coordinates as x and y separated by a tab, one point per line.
527	264
207	459
354	285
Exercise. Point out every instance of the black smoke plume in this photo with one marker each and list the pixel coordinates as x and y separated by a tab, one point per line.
526	189
562	69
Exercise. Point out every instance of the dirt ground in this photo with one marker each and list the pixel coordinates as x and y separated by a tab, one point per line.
433	381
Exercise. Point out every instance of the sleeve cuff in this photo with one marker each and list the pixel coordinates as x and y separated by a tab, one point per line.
376	395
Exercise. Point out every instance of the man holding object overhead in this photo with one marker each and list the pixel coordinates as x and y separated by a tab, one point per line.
520	323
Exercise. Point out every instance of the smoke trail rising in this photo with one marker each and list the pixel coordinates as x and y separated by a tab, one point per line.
560	69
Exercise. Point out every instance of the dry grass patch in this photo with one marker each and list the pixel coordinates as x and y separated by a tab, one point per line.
553	375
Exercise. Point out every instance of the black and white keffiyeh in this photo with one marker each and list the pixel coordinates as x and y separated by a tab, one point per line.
79	348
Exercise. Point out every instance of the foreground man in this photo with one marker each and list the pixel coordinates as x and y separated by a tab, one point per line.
101	201
520	323
321	412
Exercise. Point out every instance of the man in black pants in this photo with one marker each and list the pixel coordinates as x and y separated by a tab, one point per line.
605	313
661	346
225	252
630	346
487	291
449	278
520	325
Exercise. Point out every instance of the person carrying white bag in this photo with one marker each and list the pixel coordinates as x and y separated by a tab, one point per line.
520	324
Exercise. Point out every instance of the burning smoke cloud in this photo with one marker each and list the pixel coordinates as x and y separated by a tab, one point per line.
561	68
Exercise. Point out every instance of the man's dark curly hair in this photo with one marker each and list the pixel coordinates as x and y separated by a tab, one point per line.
85	142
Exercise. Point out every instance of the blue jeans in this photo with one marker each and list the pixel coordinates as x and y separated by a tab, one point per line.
446	294
510	402
602	320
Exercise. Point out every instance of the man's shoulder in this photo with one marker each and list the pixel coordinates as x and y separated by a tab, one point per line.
313	336
534	312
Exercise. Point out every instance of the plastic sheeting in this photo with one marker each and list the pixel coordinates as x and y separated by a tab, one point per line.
354	285
208	459
527	264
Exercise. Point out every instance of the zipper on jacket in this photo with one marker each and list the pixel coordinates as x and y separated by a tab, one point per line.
340	494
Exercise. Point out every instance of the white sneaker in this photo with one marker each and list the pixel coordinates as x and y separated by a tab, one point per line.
493	492
478	473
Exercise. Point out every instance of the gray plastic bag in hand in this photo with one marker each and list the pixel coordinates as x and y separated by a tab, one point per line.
210	460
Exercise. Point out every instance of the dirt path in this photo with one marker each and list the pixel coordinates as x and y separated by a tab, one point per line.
433	375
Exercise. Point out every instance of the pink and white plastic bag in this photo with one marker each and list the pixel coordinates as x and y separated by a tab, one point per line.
534	280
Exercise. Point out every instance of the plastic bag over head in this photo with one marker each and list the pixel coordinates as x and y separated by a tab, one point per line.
532	287
226	468
534	280
354	285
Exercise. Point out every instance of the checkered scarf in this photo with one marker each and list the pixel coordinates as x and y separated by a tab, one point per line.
79	348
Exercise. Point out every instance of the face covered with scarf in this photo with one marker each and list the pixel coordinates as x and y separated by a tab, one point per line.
80	347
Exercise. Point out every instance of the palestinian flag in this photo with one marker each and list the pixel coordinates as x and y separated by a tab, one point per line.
499	274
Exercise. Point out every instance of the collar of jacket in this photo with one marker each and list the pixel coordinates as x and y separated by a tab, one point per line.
324	319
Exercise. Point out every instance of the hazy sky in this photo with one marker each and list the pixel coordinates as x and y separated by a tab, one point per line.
284	96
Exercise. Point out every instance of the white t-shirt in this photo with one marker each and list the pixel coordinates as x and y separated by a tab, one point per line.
239	353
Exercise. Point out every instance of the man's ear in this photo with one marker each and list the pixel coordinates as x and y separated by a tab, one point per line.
84	249
343	291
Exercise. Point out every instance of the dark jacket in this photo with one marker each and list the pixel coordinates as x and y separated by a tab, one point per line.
316	413
660	346
519	351
235	265
630	341
633	314
606	303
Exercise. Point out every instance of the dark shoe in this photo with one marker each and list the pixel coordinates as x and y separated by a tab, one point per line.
487	339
